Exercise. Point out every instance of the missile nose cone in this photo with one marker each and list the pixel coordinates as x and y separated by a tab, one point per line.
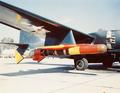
102	48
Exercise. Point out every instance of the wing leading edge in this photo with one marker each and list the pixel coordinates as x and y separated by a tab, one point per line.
53	32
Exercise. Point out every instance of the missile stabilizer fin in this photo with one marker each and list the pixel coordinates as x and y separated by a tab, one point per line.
18	57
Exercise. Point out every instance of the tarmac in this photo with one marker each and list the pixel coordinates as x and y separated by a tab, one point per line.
57	76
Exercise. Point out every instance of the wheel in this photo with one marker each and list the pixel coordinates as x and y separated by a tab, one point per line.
81	64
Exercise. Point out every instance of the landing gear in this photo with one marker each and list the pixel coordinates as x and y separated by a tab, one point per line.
81	64
107	62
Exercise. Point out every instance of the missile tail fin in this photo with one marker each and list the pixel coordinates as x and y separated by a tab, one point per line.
18	57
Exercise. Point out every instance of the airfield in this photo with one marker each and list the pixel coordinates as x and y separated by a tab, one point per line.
57	76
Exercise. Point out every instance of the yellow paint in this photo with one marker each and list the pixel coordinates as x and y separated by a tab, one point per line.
74	50
86	69
75	69
51	47
18	57
18	17
50	23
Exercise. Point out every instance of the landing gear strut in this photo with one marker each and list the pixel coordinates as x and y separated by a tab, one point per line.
81	64
107	62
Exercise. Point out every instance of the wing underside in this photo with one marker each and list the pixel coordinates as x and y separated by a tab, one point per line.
53	32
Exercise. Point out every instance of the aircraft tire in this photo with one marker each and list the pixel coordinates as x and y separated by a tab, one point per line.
81	64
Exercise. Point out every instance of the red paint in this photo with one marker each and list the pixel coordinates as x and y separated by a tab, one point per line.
38	56
89	49
38	29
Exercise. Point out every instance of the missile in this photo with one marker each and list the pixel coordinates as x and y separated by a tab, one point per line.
67	49
80	48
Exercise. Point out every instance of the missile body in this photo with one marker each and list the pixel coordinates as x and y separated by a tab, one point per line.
65	49
68	49
82	49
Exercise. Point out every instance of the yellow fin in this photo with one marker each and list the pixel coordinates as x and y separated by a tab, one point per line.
18	17
18	57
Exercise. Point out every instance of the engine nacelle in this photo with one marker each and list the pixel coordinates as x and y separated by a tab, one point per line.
110	38
117	39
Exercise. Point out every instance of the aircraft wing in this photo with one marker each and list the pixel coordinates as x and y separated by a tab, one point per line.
53	32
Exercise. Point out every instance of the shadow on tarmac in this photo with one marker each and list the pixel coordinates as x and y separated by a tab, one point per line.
43	71
41	63
94	66
113	68
66	69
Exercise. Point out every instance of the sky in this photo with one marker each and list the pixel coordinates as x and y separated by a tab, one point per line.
86	16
